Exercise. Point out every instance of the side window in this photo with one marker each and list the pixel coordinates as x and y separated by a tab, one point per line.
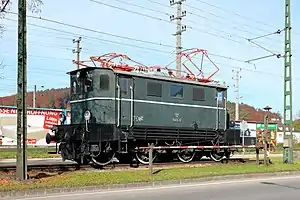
104	82
198	94
220	97
74	86
176	91
154	89
123	86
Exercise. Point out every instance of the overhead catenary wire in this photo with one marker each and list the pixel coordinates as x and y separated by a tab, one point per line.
239	15
225	57
221	56
200	30
136	39
160	19
218	16
168	22
114	35
190	27
92	30
267	32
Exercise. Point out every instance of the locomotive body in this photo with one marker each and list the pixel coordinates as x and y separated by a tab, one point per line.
115	112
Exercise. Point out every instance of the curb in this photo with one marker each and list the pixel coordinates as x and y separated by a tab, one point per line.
99	188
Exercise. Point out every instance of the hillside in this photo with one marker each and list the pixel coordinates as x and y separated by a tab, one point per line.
54	98
59	98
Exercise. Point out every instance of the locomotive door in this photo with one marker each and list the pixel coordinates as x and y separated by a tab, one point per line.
125	100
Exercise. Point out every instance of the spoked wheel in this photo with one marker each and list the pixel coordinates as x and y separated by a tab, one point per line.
186	155
217	156
143	156
105	157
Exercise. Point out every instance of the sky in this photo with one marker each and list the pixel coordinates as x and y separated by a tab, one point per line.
220	27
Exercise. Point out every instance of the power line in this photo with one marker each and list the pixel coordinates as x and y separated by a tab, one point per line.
102	40
211	54
44	44
228	33
143	7
123	37
137	13
200	30
160	19
91	30
237	14
218	16
218	30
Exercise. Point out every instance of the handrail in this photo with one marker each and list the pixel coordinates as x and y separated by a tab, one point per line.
131	106
119	105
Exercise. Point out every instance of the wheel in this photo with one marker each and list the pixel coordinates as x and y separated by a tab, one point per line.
186	155
216	156
143	156
104	159
105	156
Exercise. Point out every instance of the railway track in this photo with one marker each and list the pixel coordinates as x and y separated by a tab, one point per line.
68	167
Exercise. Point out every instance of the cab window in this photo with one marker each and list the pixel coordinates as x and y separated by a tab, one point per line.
104	82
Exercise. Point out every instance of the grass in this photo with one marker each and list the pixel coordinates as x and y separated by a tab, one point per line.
116	177
7	153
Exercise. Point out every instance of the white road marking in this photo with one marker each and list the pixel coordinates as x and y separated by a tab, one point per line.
160	188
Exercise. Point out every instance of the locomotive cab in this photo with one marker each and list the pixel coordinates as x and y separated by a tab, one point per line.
92	96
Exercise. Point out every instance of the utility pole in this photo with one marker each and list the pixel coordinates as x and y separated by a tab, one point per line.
236	86
180	28
78	50
34	97
265	135
22	93
288	117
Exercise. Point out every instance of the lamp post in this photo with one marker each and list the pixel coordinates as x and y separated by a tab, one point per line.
266	123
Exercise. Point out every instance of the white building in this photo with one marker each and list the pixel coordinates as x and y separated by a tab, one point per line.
279	138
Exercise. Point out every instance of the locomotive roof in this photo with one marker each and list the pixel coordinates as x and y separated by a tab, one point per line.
154	76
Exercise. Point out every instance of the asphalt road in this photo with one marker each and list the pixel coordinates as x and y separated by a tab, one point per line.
251	189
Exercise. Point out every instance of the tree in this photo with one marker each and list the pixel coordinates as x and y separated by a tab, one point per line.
296	124
243	114
64	101
33	5
51	102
